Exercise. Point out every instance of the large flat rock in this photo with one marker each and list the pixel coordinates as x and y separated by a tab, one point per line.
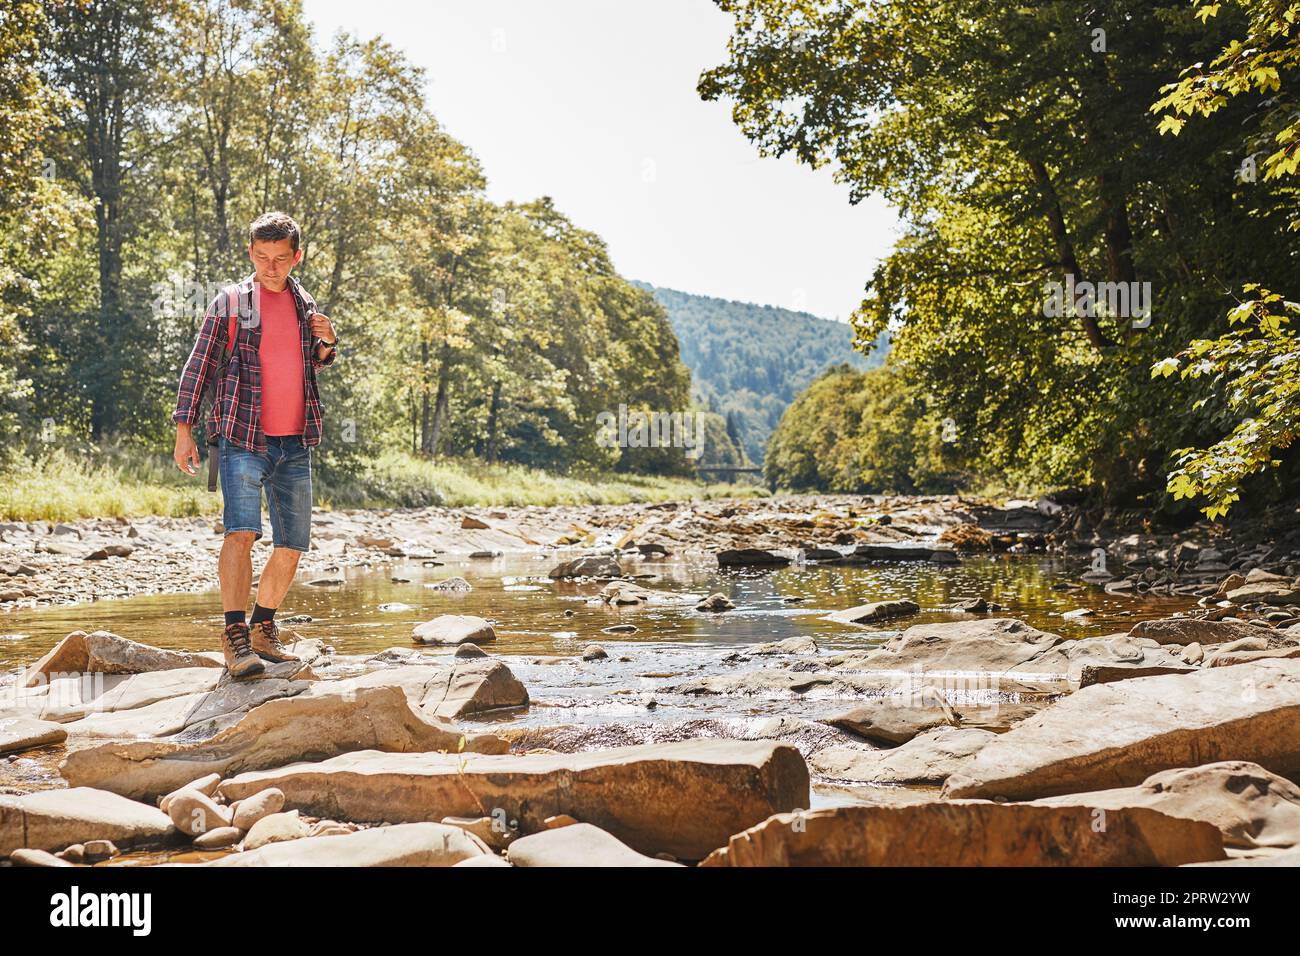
1004	646
1118	734
202	713
874	612
682	798
54	819
1251	807
891	721
928	758
1191	630
24	733
311	726
76	696
899	551
409	844
970	833
106	653
468	687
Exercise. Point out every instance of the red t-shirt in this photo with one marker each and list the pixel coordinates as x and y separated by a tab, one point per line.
283	404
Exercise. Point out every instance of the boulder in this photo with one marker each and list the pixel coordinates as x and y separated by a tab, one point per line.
1245	652
894	551
25	733
927	759
1006	646
791	645
259	805
54	819
970	833
218	838
200	714
1192	630
106	653
451	584
715	603
681	798
1251	807
593	566
410	844
194	813
580	844
987	644
306	727
631	594
751	558
275	828
1265	592
491	830
474	687
455	629
207	785
894	720
1118	734
874	612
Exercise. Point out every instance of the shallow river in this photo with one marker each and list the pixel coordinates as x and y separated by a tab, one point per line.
672	643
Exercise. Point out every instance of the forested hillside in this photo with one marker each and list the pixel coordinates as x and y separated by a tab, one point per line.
748	361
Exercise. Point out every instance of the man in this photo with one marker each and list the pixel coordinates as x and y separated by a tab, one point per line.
267	413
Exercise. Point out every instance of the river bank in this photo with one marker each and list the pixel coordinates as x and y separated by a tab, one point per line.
44	563
920	667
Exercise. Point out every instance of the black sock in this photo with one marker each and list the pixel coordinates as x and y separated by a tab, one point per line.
234	617
261	614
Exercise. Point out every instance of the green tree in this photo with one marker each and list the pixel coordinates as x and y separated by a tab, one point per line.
1254	368
1017	144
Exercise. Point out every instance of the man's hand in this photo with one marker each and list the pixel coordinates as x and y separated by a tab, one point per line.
321	327
187	452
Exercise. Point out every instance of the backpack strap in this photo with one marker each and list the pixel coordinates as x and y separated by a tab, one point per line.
233	294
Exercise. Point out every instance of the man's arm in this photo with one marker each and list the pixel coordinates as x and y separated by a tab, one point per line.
199	368
323	350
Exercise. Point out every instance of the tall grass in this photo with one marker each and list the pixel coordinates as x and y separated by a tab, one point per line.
117	481
396	479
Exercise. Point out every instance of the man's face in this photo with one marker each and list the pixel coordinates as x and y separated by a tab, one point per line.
273	260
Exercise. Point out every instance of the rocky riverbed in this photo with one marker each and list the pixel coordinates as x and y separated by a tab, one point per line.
791	681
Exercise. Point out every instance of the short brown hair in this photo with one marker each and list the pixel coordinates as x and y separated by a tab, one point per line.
274	226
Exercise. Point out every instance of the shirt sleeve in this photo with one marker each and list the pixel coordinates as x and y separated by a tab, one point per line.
316	360
203	363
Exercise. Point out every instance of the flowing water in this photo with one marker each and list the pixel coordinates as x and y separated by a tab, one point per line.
538	618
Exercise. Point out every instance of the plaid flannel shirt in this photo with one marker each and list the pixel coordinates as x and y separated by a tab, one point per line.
236	412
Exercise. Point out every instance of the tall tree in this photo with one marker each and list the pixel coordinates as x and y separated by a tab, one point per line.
107	57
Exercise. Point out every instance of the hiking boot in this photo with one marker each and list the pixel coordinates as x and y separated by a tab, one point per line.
241	661
266	643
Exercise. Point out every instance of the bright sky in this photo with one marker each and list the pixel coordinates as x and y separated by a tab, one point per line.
594	104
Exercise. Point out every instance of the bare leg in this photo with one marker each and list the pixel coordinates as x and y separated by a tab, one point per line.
277	576
235	570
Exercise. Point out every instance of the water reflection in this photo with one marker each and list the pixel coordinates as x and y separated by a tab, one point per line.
536	616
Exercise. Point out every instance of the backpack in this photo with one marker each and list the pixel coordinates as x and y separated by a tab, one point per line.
238	303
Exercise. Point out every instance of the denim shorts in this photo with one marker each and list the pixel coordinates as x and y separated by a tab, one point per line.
284	472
